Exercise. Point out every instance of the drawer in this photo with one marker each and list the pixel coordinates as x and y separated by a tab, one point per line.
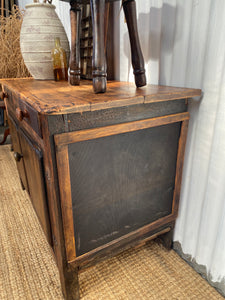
26	115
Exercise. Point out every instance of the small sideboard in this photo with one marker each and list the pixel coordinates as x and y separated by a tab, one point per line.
103	171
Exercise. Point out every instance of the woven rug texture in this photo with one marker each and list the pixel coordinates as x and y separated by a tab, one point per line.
28	269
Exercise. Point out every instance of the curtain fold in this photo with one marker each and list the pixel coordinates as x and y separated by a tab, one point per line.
184	45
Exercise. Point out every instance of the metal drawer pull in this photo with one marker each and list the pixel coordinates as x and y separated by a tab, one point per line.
17	156
21	114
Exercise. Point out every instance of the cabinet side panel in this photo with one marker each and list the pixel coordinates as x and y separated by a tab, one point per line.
121	183
123	114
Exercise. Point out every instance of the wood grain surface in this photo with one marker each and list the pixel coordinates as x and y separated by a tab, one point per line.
33	162
65	193
78	136
179	166
50	97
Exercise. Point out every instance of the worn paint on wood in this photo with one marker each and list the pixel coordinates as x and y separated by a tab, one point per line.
51	97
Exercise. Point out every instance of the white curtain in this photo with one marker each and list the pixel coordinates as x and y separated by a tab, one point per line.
184	45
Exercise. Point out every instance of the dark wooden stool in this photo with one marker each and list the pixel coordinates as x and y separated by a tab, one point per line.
99	11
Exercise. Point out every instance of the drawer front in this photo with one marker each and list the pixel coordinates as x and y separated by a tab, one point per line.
23	112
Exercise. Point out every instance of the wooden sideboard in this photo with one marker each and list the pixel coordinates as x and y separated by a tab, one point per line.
103	171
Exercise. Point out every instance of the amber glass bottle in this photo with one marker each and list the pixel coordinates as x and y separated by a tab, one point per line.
59	61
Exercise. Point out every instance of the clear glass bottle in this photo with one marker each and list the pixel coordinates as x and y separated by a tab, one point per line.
59	61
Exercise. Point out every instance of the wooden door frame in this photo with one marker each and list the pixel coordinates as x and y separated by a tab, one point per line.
63	140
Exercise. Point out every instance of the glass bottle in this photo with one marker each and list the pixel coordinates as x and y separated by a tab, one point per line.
59	61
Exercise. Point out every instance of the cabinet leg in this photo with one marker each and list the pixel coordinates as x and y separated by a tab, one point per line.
98	58
75	19
71	287
167	239
129	7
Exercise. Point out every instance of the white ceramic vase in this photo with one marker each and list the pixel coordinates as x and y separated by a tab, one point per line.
40	27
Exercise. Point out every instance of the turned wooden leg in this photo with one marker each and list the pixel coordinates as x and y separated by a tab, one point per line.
106	23
75	19
98	58
129	7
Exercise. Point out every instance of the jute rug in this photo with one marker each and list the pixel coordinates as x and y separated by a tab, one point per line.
28	269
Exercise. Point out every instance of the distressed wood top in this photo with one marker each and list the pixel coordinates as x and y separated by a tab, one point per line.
50	97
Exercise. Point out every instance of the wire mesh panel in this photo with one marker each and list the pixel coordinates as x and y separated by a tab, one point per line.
121	183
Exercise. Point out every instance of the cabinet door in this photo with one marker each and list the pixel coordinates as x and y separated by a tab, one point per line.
119	183
32	158
18	151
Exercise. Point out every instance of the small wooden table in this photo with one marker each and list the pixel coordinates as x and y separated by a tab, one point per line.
103	171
